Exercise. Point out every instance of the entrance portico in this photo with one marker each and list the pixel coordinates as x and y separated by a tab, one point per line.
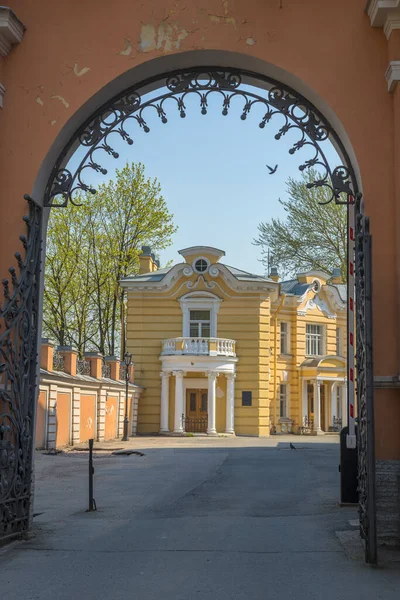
213	376
324	394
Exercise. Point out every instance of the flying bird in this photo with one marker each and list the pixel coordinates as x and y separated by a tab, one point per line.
272	170
292	447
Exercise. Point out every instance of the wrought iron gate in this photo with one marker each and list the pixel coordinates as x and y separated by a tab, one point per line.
18	370
365	383
120	118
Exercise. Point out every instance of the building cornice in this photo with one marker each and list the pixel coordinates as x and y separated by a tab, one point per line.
184	270
385	14
11	30
392	74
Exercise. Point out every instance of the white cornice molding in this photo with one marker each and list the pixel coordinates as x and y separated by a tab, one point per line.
392	74
181	269
11	30
384	13
194	250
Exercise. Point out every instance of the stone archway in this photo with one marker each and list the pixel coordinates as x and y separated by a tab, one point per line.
39	105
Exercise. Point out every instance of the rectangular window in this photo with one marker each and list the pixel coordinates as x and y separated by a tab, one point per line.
200	323
338	341
314	340
246	398
193	402
284	337
283	400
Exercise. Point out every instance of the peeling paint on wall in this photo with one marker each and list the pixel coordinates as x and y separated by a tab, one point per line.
250	41
79	72
128	48
61	99
224	20
165	37
39	101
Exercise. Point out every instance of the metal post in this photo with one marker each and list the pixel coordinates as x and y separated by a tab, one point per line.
92	502
128	362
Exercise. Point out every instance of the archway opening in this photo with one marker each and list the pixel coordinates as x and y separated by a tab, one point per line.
309	139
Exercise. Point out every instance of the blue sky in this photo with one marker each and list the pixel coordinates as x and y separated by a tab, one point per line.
213	175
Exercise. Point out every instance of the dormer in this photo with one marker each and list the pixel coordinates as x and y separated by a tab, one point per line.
310	276
201	257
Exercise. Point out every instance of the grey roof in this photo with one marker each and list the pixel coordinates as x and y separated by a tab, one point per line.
292	286
161	273
86	378
245	276
155	276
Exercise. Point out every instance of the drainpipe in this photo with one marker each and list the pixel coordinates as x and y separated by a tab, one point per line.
275	319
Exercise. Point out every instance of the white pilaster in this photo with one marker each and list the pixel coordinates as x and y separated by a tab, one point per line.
178	426
304	401
230	403
121	413
317	406
212	377
52	418
101	414
344	405
164	402
76	415
334	410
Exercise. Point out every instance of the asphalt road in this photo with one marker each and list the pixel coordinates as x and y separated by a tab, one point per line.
238	520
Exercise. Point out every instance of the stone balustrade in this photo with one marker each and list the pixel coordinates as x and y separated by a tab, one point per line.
198	346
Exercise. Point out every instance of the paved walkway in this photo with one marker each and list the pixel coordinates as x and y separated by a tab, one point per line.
193	518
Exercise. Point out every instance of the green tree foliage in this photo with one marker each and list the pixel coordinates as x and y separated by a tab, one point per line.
313	236
90	248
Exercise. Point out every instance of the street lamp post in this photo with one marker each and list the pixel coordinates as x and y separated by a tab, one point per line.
127	362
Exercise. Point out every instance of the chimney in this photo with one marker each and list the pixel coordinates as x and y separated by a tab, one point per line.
274	274
147	261
336	276
46	354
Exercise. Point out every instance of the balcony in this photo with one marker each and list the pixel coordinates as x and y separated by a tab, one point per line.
198	347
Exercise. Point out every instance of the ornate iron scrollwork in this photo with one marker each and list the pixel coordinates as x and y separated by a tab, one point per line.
18	372
365	429
132	107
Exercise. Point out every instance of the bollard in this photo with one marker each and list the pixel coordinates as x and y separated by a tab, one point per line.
348	469
92	502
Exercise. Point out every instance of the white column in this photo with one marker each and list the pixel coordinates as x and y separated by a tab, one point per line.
230	403
212	377
344	405
334	411
304	401
317	406
164	407
178	426
101	414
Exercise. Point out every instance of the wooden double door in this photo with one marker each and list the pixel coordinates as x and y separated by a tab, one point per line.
196	411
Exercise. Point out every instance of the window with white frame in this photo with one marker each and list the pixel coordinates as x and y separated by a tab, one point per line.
314	340
338	341
199	314
200	323
283	400
284	327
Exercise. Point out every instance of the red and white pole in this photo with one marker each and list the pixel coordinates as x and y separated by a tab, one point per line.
351	441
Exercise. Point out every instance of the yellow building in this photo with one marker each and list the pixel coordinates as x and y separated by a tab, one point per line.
223	351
